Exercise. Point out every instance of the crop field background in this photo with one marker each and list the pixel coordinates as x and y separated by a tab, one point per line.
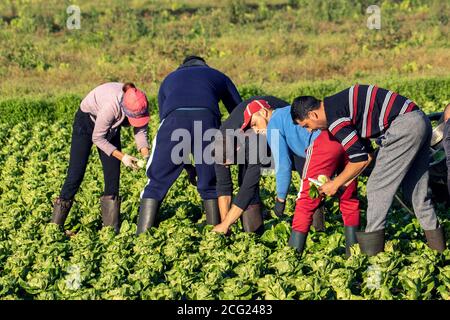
285	48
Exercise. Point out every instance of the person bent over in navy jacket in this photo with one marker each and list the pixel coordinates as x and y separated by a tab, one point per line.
188	98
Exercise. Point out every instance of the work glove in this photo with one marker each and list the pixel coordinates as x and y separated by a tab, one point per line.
279	207
130	162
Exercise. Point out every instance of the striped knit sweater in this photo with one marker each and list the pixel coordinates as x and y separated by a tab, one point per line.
361	112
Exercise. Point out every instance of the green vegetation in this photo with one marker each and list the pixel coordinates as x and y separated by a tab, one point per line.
286	48
431	94
275	45
182	259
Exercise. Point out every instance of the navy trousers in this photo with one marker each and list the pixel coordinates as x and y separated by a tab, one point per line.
162	171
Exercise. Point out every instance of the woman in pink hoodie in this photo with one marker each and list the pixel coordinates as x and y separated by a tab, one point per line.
98	121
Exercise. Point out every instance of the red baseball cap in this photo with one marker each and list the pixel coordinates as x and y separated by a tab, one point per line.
135	107
251	109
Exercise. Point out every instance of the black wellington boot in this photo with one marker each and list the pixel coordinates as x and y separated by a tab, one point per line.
61	209
297	240
252	219
371	243
436	239
319	219
110	206
147	214
350	238
212	211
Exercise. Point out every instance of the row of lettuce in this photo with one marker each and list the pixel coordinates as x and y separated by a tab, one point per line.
432	94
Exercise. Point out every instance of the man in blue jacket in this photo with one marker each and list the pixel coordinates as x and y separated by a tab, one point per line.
188	98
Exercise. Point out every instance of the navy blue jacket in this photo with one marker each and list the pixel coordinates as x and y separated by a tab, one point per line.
197	86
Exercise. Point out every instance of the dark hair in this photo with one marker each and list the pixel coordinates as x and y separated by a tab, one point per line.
302	105
189	58
128	85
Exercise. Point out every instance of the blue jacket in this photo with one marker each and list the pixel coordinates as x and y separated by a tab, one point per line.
197	86
291	138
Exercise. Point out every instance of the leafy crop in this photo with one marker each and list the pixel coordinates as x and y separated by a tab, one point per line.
314	188
182	258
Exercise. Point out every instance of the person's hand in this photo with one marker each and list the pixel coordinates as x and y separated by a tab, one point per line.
145	153
130	162
280	205
329	188
221	228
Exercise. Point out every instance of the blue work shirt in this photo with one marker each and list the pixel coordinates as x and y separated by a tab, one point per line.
291	138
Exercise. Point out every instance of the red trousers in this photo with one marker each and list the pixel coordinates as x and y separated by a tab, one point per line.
324	156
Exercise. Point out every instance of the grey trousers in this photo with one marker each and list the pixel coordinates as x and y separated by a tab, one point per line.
403	160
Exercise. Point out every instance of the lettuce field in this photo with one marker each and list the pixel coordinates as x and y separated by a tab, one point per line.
182	258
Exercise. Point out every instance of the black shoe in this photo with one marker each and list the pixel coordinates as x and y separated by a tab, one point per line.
350	238
61	209
148	210
371	243
252	219
110	206
212	211
297	240
319	219
436	239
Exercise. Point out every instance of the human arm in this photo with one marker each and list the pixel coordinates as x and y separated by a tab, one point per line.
140	137
357	152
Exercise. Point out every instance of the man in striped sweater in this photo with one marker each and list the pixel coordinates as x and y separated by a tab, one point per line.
359	113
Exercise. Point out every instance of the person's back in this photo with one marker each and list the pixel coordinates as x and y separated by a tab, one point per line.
368	108
236	118
188	101
296	137
105	95
196	85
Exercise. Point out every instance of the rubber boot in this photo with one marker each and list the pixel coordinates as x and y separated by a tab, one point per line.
297	240
110	206
148	210
371	243
319	219
61	209
436	239
252	220
350	238
212	211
